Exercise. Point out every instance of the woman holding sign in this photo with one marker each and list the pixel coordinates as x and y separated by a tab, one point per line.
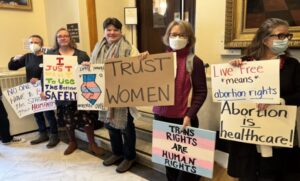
270	42
190	86
119	120
67	110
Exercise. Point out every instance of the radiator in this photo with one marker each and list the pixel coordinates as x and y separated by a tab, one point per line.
9	81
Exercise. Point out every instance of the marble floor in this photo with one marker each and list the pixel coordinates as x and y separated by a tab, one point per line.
23	161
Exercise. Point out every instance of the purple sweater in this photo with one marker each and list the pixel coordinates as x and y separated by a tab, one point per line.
182	89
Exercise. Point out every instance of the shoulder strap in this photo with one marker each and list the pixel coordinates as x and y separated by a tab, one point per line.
189	63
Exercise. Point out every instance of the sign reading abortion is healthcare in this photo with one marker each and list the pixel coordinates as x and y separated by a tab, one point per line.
190	150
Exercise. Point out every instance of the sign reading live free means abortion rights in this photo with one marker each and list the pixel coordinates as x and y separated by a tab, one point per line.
191	150
59	77
25	99
254	81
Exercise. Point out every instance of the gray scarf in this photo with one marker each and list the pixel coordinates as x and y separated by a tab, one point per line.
117	117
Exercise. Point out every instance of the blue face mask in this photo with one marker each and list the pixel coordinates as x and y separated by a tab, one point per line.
279	46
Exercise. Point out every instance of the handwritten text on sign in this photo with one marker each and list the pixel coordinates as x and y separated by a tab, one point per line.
90	86
59	74
243	122
190	150
255	81
25	99
134	82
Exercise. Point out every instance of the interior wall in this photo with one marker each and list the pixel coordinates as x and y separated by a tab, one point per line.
17	26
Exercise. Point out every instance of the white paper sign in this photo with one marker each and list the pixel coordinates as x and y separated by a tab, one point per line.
59	77
25	99
243	122
91	87
255	81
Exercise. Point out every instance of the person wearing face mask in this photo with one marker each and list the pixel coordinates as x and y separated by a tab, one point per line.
270	42
33	62
190	87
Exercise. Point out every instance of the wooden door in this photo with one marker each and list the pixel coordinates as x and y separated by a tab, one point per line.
152	23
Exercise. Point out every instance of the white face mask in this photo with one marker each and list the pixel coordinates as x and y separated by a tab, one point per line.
177	43
279	46
34	47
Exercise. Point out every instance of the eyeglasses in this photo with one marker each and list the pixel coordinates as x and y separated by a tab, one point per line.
62	36
173	35
282	36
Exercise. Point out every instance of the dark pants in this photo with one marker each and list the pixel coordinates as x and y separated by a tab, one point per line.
172	173
123	141
4	124
40	120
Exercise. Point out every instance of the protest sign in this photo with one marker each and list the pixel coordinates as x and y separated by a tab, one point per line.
90	86
132	81
243	122
25	99
59	77
190	150
255	81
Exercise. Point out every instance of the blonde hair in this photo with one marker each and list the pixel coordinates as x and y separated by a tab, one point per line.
185	27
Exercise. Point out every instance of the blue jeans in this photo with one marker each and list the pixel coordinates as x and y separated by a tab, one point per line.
123	146
40	120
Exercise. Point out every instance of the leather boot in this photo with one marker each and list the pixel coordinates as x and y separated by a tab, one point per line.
92	144
54	140
72	141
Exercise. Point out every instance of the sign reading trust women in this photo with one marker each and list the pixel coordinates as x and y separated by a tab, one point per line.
191	150
59	77
255	81
243	122
25	99
90	86
132	81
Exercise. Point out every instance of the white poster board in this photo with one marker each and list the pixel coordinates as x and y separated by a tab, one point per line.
25	99
91	87
243	122
255	81
191	150
59	77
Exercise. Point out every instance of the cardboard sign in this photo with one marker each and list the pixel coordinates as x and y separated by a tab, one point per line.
243	122
191	150
25	99
134	82
59	77
255	81
90	86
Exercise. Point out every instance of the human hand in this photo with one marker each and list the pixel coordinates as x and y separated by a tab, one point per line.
236	62
186	122
17	57
262	107
43	96
86	63
143	55
33	80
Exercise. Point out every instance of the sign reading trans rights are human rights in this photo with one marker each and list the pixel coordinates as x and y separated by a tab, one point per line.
255	81
133	81
243	122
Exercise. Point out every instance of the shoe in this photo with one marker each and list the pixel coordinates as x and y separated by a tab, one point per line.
112	160
43	137
53	141
71	148
15	140
125	165
96	149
